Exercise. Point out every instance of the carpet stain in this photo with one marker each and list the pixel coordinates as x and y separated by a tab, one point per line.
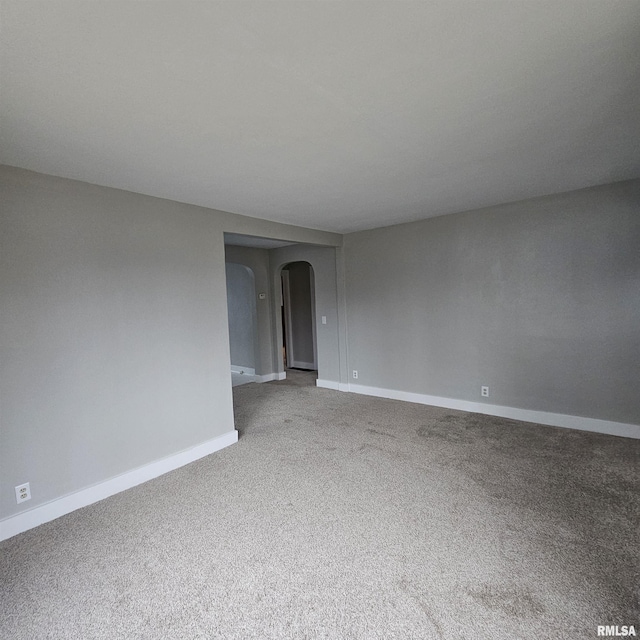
380	433
517	602
387	453
452	433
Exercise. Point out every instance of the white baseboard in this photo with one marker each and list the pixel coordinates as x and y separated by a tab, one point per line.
298	364
51	510
526	415
268	377
251	373
246	370
331	384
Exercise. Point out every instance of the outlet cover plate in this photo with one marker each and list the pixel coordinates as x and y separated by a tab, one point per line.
23	493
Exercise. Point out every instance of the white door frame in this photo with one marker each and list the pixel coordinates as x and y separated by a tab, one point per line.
312	288
286	303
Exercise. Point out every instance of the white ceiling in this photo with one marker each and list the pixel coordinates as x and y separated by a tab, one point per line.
332	115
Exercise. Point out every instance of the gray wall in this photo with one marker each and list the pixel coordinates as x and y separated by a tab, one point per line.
258	261
114	343
540	300
301	304
241	307
112	322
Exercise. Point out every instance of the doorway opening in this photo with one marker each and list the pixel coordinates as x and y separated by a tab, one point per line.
298	308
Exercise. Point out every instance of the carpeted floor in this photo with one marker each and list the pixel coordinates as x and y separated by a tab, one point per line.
344	516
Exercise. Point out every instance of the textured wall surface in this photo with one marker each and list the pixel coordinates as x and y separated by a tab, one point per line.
539	300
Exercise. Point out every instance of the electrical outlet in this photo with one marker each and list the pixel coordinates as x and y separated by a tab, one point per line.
23	493
484	392
355	374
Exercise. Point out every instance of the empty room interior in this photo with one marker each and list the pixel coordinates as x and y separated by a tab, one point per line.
319	319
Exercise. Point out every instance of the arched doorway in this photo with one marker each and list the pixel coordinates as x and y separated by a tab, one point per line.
299	344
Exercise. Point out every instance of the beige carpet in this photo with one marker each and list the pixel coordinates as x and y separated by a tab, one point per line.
343	516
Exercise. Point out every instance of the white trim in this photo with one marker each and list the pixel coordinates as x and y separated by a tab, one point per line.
247	371
61	506
297	364
314	330
526	415
328	384
331	384
288	324
268	377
